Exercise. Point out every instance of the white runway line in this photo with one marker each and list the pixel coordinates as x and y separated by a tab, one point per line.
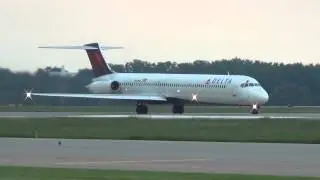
131	161
292	117
191	117
165	116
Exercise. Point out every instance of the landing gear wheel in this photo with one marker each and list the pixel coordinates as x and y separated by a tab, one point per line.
142	109
255	109
177	109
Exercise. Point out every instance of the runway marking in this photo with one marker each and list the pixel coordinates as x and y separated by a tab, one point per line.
166	116
191	117
131	161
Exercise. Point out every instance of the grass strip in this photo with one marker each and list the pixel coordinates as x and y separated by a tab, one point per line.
30	173
265	130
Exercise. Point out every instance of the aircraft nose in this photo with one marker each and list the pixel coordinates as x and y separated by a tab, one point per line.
259	96
264	96
89	87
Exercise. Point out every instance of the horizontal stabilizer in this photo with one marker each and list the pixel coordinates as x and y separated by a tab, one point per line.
102	96
99	64
85	47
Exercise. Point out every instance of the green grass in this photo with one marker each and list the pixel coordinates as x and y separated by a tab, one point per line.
265	130
29	173
160	109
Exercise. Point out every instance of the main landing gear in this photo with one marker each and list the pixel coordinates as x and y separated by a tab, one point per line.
142	108
255	109
178	109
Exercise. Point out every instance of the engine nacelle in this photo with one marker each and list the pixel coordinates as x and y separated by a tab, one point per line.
115	86
104	87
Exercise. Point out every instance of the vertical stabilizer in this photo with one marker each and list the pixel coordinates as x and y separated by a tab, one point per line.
98	62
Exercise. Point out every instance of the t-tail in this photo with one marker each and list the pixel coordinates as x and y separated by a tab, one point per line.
98	63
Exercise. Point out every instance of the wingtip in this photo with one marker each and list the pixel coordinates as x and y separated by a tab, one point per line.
28	94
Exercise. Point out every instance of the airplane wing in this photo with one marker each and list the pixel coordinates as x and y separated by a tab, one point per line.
101	96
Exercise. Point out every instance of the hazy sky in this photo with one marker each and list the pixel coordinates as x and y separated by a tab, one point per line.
157	30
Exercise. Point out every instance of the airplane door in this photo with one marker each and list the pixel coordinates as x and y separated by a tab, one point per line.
235	92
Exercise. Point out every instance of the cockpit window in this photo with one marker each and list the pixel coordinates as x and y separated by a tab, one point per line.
244	85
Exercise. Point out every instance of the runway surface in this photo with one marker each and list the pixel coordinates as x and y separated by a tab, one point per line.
161	116
272	159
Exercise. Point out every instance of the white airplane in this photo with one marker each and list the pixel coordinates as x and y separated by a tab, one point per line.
175	89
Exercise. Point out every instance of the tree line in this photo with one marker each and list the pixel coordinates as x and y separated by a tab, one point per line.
294	84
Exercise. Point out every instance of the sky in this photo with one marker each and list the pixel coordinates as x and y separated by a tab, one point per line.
285	31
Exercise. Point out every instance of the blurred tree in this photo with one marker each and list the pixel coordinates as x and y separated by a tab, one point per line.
295	84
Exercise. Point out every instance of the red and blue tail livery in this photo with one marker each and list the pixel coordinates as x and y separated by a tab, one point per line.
98	63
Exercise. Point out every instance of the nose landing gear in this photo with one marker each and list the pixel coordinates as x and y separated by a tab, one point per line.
255	109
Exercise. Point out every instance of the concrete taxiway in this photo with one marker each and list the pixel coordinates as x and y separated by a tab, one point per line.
212	116
272	159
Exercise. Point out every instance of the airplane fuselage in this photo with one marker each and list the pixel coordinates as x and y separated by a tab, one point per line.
200	88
